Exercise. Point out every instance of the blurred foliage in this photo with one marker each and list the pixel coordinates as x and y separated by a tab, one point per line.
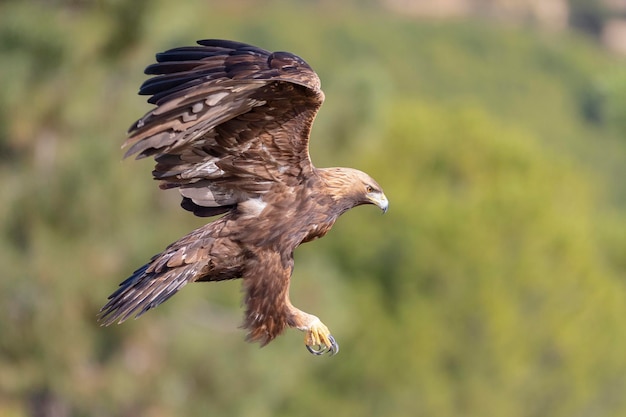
494	286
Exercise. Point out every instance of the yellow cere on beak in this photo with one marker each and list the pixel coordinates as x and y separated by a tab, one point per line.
380	200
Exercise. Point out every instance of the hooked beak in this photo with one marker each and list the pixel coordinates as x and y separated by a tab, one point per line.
380	200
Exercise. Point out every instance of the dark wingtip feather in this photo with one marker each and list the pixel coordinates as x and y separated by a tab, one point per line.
149	286
114	310
227	44
184	54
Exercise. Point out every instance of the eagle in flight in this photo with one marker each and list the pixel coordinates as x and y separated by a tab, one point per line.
230	130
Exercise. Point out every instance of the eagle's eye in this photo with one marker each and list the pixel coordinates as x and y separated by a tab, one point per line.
369	189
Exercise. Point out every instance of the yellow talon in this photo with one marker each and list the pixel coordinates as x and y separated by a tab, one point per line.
318	340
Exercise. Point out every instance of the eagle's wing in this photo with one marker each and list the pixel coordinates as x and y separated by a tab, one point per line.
231	120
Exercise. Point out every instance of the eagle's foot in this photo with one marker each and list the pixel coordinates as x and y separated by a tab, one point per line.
318	339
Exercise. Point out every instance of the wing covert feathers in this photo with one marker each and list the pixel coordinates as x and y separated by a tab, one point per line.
197	88
230	121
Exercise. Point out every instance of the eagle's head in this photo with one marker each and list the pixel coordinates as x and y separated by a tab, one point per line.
350	188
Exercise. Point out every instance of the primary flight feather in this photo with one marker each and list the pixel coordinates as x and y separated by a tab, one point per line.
230	130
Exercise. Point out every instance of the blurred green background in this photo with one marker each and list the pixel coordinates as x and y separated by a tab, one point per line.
495	285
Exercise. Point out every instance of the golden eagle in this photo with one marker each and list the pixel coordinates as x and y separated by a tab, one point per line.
230	130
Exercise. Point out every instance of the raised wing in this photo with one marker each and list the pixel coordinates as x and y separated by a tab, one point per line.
231	121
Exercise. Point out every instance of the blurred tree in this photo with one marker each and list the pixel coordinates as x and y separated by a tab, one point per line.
588	15
491	236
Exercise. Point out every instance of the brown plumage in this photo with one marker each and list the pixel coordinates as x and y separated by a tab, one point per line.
230	130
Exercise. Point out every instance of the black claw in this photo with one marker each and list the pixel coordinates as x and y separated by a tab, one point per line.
334	346
318	350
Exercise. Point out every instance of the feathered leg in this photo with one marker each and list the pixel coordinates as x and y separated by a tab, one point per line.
269	310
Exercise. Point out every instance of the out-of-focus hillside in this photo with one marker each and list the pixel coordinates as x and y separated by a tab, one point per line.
493	286
604	20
